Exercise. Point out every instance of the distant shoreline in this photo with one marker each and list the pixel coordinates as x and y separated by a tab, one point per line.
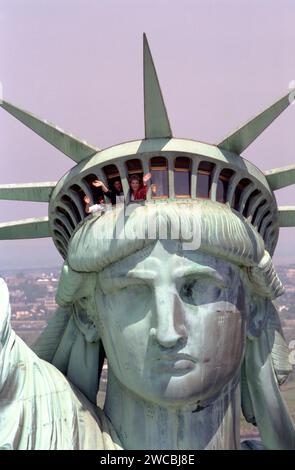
4	270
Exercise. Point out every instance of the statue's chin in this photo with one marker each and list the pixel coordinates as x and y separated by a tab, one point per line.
184	388
184	393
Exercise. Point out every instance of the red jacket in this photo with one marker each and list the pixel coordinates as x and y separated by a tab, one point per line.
140	194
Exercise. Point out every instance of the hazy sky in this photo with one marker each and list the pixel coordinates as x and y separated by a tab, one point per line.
78	63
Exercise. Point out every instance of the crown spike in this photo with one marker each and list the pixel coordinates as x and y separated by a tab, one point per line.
36	227
36	192
155	114
286	216
278	178
240	139
71	146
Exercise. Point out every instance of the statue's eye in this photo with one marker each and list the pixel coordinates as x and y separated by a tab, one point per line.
187	290
200	291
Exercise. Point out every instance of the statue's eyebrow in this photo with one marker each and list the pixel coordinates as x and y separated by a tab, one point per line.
111	280
122	270
129	273
141	274
197	270
193	270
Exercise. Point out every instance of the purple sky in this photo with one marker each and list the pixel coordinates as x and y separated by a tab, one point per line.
78	63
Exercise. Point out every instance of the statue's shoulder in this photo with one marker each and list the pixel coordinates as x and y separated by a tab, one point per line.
58	415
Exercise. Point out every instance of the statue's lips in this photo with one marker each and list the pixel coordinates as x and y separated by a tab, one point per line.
175	363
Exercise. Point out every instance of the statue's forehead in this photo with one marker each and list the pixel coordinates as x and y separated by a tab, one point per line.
168	254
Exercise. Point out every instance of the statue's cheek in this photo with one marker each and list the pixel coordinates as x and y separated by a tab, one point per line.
215	329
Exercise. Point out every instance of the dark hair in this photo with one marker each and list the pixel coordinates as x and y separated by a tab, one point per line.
92	177
134	178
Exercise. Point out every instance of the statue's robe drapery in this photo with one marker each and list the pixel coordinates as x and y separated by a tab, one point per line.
40	408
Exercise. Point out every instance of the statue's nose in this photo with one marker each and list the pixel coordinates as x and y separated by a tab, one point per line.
170	318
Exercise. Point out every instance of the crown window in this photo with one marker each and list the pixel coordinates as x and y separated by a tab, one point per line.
204	179
256	212
222	184
68	201
134	167
252	196
182	177
159	179
241	186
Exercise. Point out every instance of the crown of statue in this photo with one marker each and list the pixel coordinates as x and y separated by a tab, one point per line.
180	169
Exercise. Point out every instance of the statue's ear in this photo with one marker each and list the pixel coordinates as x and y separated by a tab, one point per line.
263	285
86	354
76	292
259	303
257	308
74	286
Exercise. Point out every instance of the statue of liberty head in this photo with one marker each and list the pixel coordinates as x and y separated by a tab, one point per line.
175	286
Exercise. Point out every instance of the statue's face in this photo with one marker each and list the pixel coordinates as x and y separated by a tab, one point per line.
172	323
